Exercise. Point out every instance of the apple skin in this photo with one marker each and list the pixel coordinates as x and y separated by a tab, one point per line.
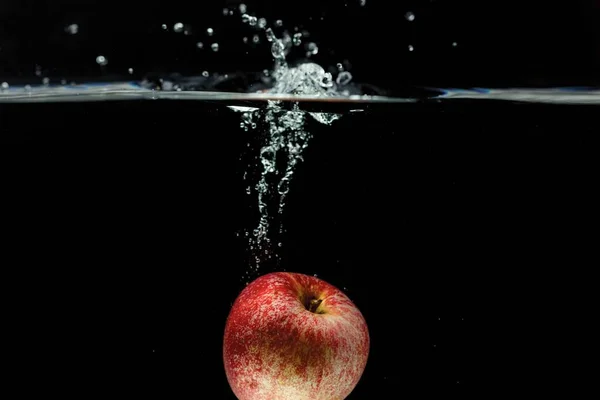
276	348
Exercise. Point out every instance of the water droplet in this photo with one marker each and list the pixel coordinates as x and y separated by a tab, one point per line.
205	74
200	45
343	78
210	31
243	8
410	47
101	60
130	70
72	29
4	85
409	16
297	39
164	27
279	23
214	46
178	27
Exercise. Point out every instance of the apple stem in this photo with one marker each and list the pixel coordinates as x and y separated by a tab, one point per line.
314	304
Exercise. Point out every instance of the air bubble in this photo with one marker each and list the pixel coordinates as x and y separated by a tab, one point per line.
205	74
409	16
214	46
410	47
130	70
454	44
101	60
178	27
297	39
245	39
343	78
362	3
46	81
256	39
278	50
262	23
72	29
164	27
210	31
340	67
200	45
225	12
270	35
279	23
243	8
4	85
249	19
312	48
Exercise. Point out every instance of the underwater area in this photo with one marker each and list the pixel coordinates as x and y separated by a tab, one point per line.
435	161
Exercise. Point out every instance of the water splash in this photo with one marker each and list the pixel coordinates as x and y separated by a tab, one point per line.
284	138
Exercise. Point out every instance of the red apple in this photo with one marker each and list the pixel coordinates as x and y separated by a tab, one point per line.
291	336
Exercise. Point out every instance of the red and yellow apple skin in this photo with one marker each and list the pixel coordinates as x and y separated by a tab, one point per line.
291	336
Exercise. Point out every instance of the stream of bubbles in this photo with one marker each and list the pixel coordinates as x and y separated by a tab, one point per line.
284	136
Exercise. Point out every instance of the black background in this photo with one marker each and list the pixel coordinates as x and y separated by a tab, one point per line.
449	225
508	43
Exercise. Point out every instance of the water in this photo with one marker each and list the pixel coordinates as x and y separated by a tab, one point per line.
135	212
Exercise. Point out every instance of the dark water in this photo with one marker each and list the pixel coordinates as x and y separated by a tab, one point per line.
448	224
